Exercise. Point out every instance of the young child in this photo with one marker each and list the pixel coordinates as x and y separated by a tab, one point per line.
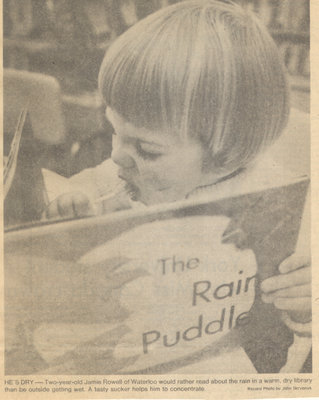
195	92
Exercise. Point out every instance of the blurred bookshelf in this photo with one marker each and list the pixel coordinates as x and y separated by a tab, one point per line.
68	38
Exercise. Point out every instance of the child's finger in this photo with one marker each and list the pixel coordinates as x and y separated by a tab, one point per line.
294	262
65	205
299	277
296	326
52	210
294	291
81	205
293	304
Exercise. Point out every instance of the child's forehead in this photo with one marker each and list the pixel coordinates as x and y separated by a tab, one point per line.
114	117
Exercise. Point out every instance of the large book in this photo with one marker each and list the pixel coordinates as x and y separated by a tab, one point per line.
161	290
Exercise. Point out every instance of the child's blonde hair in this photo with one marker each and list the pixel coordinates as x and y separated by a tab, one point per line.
205	69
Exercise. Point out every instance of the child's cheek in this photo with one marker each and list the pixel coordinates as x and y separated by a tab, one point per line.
156	173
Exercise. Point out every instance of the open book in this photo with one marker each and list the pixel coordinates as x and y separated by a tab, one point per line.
165	289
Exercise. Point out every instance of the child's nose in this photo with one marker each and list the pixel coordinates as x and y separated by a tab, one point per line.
120	155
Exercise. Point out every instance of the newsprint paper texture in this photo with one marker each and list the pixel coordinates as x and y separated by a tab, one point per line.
164	301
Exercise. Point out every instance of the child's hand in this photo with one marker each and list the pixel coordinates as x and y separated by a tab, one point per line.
290	291
69	205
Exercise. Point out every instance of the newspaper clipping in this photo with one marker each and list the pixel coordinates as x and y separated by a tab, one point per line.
159	199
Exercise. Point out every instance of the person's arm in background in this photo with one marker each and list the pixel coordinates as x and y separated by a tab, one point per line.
290	290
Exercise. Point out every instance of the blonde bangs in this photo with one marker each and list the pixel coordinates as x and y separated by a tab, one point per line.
143	73
202	69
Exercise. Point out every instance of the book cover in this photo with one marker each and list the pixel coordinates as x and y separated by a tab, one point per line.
145	292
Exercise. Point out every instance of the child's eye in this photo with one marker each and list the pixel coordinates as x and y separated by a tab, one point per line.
146	155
